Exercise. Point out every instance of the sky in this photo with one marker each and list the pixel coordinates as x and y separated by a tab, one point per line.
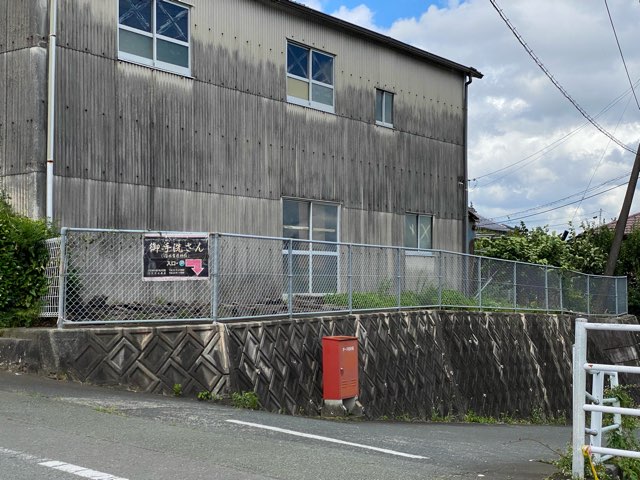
528	145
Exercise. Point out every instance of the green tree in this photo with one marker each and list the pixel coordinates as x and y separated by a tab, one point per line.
23	258
536	245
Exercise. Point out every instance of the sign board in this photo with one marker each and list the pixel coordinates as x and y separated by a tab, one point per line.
179	257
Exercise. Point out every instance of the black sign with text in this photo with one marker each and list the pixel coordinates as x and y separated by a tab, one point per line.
176	258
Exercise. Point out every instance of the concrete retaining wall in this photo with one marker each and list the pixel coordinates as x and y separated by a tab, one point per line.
411	363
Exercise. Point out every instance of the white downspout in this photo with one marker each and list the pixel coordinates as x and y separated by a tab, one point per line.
51	106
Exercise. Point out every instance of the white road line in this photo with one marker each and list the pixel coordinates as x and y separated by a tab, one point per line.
62	466
327	439
79	471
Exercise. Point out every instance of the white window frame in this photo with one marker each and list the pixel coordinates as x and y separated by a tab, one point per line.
310	81
154	62
417	217
382	122
309	241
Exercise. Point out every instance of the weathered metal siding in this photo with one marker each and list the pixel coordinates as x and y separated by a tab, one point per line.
149	149
23	24
23	103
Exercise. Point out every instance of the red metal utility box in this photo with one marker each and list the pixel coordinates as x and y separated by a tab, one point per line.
339	367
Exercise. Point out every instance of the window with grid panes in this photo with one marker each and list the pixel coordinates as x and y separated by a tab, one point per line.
314	265
155	33
310	77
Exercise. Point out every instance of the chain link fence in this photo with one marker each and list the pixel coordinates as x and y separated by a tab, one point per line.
136	277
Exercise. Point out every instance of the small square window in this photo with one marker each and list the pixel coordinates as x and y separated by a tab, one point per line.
310	77
418	231
154	33
384	108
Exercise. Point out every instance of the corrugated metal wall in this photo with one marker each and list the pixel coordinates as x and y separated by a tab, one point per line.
140	148
22	102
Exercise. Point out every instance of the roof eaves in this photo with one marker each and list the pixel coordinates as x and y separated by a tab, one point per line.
320	17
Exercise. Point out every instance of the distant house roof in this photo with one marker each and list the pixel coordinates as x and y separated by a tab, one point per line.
488	225
314	15
633	221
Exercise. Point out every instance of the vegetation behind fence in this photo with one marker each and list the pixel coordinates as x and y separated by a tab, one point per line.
111	276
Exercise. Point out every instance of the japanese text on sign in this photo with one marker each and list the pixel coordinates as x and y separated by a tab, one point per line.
169	258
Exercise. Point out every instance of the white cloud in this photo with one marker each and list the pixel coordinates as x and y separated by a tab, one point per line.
360	15
315	4
515	111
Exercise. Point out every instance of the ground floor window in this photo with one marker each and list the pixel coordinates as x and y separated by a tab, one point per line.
314	265
418	231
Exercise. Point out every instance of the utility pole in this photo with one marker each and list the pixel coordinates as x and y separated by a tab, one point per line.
622	219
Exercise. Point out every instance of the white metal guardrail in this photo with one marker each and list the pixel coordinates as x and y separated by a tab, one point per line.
597	405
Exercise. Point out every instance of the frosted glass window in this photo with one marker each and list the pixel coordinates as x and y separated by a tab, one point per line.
173	53
136	44
322	94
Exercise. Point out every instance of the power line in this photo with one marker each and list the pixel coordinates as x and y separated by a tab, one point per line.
504	218
601	157
559	207
557	84
621	54
544	150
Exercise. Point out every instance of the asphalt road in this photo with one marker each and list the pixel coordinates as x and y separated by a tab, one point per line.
60	430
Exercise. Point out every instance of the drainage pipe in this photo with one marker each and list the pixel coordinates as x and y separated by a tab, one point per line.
465	236
51	106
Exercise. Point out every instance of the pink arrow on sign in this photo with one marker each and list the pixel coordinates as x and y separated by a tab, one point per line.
195	265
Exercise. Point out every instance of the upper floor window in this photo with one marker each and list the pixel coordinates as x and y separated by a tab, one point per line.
155	33
309	77
418	231
384	108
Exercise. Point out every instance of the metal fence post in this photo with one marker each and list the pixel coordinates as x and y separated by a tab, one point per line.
579	390
546	288
479	282
62	278
617	298
350	275
588	295
597	391
215	283
290	278
398	277
515	286
561	294
440	279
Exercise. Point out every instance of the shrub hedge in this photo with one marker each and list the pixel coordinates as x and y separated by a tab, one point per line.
23	258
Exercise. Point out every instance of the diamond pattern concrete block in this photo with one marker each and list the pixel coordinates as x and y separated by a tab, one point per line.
106	339
171	335
171	373
206	374
141	378
156	354
122	356
104	374
90	357
203	333
140	337
187	352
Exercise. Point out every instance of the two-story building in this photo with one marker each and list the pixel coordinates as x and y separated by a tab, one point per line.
249	116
